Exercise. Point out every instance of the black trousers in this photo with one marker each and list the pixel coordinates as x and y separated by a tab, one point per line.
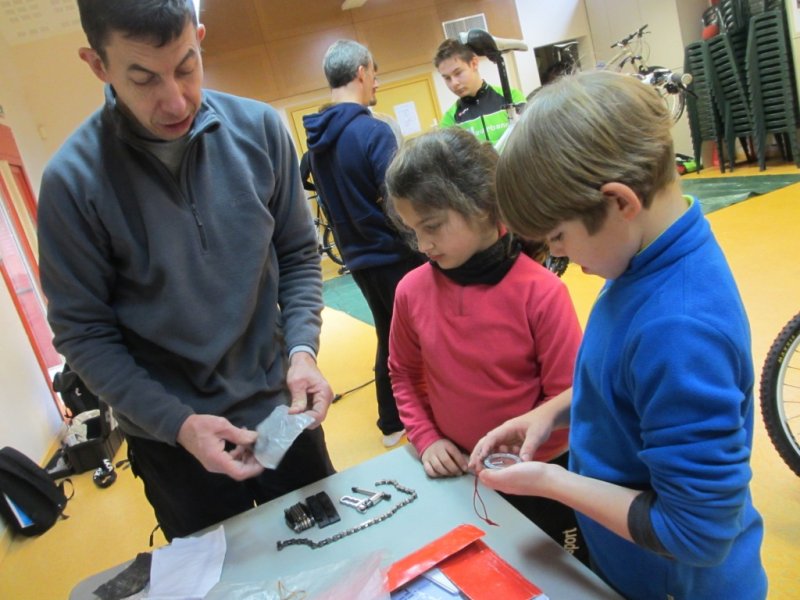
378	285
555	519
187	498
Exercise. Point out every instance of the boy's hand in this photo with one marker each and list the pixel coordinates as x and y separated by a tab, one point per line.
444	459
524	434
205	437
521	435
310	390
523	479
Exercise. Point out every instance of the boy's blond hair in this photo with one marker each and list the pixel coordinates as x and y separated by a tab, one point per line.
577	134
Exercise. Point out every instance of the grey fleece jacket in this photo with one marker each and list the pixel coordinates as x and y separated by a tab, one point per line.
178	296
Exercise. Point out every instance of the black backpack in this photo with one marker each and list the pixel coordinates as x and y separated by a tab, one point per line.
76	396
30	500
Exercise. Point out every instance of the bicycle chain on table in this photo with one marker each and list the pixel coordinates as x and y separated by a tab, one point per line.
412	495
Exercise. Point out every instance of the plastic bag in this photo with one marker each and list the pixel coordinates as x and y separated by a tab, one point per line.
78	431
358	578
276	434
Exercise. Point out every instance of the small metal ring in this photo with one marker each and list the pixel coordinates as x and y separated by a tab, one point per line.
500	460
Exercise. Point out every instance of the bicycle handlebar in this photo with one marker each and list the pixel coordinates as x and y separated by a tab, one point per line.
627	39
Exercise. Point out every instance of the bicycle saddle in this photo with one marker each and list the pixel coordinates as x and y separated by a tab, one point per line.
485	44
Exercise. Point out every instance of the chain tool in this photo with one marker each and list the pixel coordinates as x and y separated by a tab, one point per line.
411	496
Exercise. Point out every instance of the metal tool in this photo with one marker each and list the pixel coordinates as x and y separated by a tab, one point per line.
362	504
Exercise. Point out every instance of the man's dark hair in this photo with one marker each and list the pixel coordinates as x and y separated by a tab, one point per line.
159	21
450	48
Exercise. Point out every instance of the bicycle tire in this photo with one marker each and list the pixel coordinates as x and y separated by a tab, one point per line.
329	246
676	103
556	264
780	394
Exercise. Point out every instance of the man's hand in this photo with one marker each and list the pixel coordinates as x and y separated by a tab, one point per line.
444	459
205	436
310	390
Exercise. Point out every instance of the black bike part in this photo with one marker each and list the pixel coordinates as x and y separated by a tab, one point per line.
329	246
556	264
322	509
780	394
483	44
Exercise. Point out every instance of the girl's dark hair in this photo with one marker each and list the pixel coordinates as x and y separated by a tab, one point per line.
441	169
160	21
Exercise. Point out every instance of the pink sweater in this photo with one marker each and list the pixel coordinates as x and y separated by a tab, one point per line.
464	359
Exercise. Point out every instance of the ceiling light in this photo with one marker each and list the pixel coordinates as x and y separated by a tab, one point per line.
350	4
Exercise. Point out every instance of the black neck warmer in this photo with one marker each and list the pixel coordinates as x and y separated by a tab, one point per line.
487	266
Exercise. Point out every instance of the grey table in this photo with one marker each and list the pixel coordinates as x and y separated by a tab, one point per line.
442	504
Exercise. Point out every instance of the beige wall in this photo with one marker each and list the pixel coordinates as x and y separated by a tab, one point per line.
544	22
18	116
793	14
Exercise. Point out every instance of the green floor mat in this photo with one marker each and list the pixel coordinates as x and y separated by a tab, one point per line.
343	294
718	192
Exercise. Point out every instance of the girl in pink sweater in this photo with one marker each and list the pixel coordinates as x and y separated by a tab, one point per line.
482	332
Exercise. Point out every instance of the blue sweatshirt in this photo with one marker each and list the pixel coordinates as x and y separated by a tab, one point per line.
178	295
663	402
350	151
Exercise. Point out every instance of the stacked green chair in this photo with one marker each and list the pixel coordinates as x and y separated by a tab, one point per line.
735	15
704	120
772	90
730	94
758	6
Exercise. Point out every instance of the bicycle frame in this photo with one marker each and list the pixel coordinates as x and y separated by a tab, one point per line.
625	54
671	86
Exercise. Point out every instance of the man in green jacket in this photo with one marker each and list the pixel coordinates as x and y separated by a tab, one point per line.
480	108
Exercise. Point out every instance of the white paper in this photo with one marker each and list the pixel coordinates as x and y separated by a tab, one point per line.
188	567
407	118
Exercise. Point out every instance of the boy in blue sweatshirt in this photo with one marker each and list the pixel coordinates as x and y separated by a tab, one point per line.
661	408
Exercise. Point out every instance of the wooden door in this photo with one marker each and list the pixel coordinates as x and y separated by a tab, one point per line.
411	102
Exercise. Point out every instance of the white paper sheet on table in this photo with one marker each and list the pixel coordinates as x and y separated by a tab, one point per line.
188	567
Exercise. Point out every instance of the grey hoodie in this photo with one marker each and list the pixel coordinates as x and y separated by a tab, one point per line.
178	296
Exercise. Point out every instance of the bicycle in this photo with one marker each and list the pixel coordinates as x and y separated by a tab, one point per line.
780	393
632	57
326	242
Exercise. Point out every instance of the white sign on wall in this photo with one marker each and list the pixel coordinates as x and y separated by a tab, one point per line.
407	118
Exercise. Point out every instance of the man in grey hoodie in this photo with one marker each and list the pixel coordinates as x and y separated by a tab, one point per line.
179	260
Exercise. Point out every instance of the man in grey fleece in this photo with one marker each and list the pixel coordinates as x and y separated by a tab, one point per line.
179	261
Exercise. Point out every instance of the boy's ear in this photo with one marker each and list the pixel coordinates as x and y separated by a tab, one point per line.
624	199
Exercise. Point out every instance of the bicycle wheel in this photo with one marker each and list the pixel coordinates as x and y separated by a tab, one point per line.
676	103
780	394
329	246
556	264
